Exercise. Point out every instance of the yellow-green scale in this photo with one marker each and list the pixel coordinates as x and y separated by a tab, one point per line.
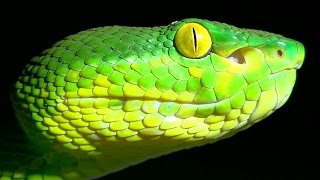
110	97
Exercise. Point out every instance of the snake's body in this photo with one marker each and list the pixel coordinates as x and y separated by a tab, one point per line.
110	97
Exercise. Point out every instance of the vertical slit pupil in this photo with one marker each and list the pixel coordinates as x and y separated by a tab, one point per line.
194	38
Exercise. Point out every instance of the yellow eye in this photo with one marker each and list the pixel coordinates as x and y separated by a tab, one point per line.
193	40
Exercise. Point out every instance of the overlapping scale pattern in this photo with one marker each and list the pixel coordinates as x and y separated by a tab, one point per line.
106	98
130	84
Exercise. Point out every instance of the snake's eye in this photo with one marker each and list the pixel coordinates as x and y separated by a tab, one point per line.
193	40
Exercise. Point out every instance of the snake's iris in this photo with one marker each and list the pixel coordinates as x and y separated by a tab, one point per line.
193	40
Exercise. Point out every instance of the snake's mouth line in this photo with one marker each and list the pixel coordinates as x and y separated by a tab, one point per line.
160	100
124	99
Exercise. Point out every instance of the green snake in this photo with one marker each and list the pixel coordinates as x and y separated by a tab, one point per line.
110	97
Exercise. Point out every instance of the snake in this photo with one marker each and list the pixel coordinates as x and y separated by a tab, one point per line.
111	97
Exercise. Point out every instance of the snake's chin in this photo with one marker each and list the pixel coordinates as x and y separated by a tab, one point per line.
273	99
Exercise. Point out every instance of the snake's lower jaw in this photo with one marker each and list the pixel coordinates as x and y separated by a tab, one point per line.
275	98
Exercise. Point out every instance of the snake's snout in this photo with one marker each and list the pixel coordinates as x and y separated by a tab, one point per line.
300	55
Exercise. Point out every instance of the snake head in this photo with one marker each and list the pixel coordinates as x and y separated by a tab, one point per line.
260	64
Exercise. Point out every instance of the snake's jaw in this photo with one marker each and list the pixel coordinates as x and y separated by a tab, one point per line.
283	66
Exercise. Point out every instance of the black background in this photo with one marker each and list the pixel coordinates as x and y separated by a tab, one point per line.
282	146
